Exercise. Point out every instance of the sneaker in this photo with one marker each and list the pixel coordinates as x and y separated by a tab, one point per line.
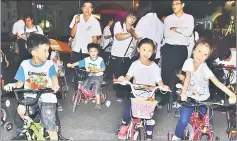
122	132
119	99
104	83
177	113
97	107
175	138
59	108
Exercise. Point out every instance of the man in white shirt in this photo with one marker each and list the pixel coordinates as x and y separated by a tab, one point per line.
85	29
178	28
24	33
17	26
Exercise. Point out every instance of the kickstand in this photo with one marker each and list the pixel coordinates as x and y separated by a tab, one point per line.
61	137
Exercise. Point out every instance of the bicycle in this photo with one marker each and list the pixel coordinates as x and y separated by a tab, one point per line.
4	115
32	128
83	94
141	110
199	129
229	110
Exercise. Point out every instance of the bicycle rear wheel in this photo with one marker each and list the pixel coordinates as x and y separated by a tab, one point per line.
103	96
141	134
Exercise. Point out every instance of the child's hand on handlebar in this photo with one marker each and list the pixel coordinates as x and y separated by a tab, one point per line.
232	99
55	88
166	87
122	78
9	87
184	97
70	65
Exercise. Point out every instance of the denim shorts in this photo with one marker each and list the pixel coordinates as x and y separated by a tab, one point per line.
47	114
94	82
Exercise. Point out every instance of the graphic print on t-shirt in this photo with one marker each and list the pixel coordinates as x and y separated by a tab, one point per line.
36	80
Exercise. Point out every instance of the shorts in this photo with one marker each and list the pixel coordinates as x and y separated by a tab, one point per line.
47	113
96	83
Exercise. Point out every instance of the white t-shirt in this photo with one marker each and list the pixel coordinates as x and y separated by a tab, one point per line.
184	24
146	75
231	62
107	32
150	26
89	63
17	26
28	31
37	77
119	47
198	88
85	32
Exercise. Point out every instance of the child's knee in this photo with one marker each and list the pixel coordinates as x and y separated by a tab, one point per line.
21	109
151	122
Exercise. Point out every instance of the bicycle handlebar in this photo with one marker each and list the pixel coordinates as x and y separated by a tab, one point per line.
37	92
139	87
223	66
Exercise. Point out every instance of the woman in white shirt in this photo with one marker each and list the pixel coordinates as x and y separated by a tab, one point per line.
120	55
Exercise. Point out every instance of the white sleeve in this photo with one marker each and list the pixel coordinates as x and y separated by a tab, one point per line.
73	21
140	30
106	31
117	28
188	65
40	31
14	29
157	70
96	31
131	70
207	72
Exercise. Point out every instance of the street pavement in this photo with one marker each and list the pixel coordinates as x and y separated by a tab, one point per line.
88	124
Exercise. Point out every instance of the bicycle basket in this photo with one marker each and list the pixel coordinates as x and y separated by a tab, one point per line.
142	108
81	74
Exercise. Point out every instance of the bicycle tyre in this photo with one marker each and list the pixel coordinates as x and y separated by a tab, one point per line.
103	96
170	103
204	137
20	137
5	114
141	134
75	102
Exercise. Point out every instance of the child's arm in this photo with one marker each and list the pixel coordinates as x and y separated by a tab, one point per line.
72	65
55	85
221	86
10	86
126	78
185	86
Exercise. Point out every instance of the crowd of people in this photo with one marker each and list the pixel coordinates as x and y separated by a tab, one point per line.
140	48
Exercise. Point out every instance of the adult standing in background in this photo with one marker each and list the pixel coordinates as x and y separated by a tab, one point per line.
178	28
18	25
85	29
149	26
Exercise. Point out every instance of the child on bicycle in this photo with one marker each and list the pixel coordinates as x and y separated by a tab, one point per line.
196	84
95	66
38	73
145	72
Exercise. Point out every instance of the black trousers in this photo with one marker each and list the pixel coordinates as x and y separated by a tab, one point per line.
120	68
173	58
74	58
23	52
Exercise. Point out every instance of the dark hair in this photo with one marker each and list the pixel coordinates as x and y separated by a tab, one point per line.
131	12
182	1
223	53
93	45
146	41
35	40
206	42
88	1
28	16
145	7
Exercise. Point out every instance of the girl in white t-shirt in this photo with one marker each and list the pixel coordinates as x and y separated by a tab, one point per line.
145	72
196	84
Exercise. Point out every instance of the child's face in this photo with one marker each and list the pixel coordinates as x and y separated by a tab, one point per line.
201	53
42	52
146	51
93	52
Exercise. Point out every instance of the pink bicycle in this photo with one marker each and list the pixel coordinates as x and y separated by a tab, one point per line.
85	95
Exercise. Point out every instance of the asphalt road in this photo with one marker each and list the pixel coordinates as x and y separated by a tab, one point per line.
88	124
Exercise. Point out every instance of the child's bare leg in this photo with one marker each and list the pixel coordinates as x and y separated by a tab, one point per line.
21	111
53	135
97	99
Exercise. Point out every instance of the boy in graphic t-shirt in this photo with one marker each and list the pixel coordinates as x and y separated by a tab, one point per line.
38	73
95	66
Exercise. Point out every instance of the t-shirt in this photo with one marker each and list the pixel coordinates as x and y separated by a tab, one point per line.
17	26
198	88
146	75
85	31
88	63
37	77
28	31
105	42
231	62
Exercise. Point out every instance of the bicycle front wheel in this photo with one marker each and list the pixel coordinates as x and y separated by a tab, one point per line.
75	102
141	134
